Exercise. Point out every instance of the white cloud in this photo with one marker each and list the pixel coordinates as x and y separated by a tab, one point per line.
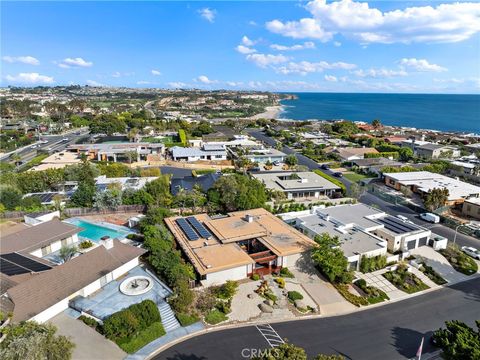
30	78
74	63
30	60
248	42
177	84
94	83
116	74
305	45
245	49
252	23
156	72
234	83
305	67
143	82
337	43
449	22
331	78
205	80
264	60
379	73
208	14
421	65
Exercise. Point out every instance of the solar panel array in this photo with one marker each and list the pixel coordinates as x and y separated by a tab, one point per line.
16	264
203	232
187	229
397	225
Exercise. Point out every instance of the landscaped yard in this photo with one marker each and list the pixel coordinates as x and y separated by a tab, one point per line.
459	260
354	177
404	280
432	274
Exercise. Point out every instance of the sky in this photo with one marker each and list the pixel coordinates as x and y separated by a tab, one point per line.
318	46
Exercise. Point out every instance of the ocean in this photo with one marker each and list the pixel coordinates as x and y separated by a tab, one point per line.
422	111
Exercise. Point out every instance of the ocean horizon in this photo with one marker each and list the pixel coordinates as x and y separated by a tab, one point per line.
445	112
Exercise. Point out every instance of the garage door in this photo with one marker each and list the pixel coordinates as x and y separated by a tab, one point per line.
411	245
422	241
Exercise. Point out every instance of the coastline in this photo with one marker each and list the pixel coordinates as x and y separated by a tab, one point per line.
271	112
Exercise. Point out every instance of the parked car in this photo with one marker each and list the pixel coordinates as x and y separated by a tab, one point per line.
471	251
276	163
324	167
338	174
433	218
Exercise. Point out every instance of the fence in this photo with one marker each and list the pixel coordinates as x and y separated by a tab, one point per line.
13	215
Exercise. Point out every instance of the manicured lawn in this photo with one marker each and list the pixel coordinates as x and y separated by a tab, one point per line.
354	177
135	343
405	281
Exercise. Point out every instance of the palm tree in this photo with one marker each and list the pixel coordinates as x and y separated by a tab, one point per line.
376	123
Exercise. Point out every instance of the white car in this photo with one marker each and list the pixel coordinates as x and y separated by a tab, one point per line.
403	218
471	251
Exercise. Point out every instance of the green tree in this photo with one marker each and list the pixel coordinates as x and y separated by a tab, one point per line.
110	198
376	123
32	341
67	252
459	341
291	160
83	196
131	156
435	198
330	259
159	189
355	190
10	197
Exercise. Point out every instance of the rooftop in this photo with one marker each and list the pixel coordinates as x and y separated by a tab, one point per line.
426	181
178	151
397	226
358	214
288	181
349	152
188	182
35	237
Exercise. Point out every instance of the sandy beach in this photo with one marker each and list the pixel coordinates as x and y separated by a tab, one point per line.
271	112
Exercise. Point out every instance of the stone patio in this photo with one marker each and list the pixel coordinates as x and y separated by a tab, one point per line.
243	307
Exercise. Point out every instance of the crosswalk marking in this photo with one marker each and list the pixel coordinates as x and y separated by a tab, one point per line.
270	335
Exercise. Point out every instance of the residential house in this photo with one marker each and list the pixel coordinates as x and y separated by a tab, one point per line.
235	246
471	208
348	154
205	182
112	151
437	151
206	153
297	185
258	154
422	182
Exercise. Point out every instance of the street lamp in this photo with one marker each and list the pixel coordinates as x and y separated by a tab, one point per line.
456	230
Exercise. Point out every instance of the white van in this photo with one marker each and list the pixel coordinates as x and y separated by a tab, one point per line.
433	218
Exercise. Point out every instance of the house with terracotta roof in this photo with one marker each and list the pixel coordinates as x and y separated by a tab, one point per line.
237	245
347	154
34	288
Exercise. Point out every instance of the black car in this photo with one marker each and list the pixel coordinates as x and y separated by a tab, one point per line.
338	174
324	167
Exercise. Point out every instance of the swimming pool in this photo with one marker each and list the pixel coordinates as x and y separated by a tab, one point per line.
95	232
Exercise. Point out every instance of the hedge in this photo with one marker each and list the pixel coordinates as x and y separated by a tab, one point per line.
183	137
332	180
294	295
131	345
187	319
352	298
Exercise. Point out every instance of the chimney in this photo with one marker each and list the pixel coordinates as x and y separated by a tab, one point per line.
107	242
249	218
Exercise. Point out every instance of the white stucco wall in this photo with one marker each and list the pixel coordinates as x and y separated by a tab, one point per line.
124	268
51	311
290	260
219	277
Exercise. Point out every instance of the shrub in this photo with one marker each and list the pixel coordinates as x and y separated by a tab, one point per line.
131	345
286	273
294	295
368	264
352	298
404	280
224	306
85	244
270	296
374	295
88	321
255	277
187	319
459	260
227	290
215	316
281	282
205	301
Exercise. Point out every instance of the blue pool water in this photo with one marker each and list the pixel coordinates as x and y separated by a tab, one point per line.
95	232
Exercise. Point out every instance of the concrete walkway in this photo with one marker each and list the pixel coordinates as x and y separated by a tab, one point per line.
377	280
89	343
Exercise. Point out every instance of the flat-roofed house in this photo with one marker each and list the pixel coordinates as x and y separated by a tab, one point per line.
297	185
347	154
436	151
112	151
237	245
471	207
206	152
422	182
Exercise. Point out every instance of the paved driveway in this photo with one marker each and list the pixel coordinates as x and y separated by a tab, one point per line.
440	264
89	344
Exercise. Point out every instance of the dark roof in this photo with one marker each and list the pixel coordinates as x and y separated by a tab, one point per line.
431	146
41	291
398	226
35	237
188	182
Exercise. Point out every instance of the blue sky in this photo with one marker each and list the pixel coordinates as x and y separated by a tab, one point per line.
344	46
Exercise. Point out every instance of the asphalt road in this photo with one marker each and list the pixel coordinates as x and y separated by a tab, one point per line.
392	331
369	199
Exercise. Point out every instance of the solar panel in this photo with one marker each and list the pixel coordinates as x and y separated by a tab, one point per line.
187	229
25	262
397	226
204	233
10	269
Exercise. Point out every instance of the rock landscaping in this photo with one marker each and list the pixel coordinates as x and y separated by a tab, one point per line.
404	280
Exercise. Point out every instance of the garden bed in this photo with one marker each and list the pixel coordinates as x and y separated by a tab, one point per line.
432	274
373	294
404	280
459	260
